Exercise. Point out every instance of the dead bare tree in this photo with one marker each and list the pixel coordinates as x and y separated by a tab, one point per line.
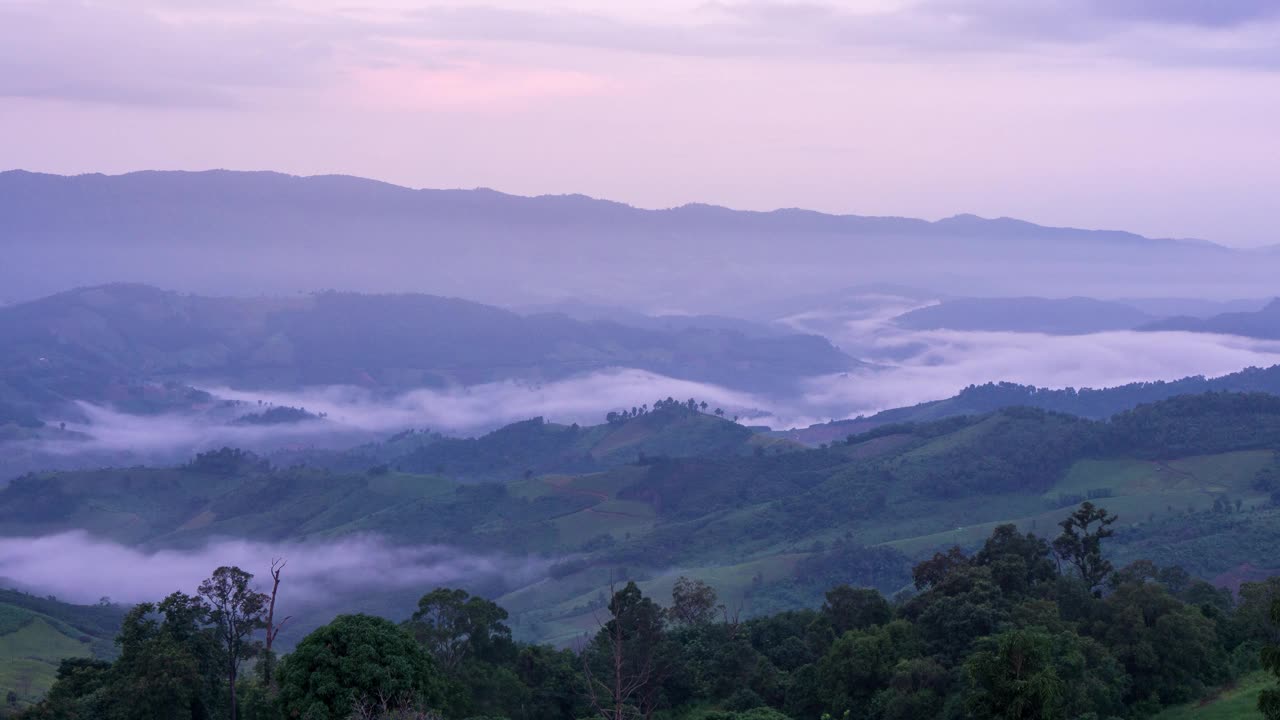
398	707
733	621
628	689
273	628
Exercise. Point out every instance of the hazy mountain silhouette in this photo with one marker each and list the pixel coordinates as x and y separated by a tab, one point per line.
1264	323
221	232
81	343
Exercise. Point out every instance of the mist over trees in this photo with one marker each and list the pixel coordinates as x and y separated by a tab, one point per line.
999	631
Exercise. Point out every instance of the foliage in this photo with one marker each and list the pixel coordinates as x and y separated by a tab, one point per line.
1269	699
1081	546
999	633
353	662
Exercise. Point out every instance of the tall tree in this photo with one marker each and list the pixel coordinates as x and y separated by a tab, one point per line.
272	627
623	668
1269	699
1080	543
454	626
849	608
1014	679
236	611
693	602
354	664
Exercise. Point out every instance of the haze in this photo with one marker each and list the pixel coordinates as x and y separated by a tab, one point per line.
1144	115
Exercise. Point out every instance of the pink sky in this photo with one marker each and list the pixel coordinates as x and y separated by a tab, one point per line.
1156	116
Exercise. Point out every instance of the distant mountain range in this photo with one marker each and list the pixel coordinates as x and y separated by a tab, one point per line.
88	343
223	232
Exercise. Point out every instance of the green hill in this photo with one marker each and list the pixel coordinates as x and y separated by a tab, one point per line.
37	633
1238	702
1098	404
1192	478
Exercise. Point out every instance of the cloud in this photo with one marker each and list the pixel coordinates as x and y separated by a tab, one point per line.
354	415
232	55
909	367
78	567
125	53
1184	32
940	363
205	54
582	399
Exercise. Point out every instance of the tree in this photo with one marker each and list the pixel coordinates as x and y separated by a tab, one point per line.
1269	699
1080	543
1015	679
623	668
860	664
1018	562
453	626
272	627
236	611
355	662
849	608
693	602
933	571
169	663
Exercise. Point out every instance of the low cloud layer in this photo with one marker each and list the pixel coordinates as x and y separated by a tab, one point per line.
945	362
77	567
910	367
584	399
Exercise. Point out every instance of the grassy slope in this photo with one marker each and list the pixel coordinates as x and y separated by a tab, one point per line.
1236	703
31	646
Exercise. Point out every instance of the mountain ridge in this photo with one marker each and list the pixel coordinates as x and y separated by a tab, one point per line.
962	220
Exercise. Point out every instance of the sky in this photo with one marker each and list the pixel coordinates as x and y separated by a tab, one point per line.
1155	116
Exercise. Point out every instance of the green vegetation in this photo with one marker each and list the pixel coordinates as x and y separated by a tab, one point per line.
1091	403
679	491
999	633
1238	701
37	633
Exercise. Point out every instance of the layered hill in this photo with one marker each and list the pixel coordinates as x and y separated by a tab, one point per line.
101	343
249	233
1264	323
1192	478
1092	403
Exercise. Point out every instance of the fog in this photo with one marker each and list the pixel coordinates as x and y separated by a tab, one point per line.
942	362
910	367
77	567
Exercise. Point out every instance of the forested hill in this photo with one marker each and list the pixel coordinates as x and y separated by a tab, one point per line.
1084	402
87	343
1194	478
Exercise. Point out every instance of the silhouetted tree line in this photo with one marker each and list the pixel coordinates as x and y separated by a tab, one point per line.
670	405
1022	628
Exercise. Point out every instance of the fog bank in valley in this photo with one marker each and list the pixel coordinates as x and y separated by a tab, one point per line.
908	367
77	567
